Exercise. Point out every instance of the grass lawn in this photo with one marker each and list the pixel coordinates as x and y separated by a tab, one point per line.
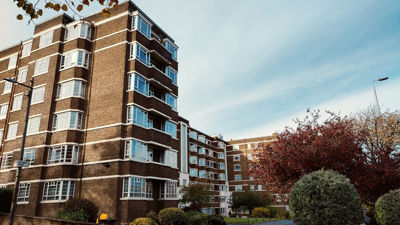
230	220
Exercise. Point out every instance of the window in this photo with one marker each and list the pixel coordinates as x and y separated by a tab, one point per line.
58	190
220	155
63	154
249	156
38	95
17	103
235	147
75	58
7	87
237	177
42	66
26	49
172	49
22	74
222	176
193	134
12	62
238	188
46	39
169	190
12	130
236	167
278	198
259	187
171	101
137	116
251	178
170	128
201	138
33	125
221	144
252	187
236	158
136	187
193	172
171	158
67	120
201	150
29	155
221	166
3	111
23	192
81	30
136	150
202	162
140	53
250	166
192	147
172	74
202	174
210	153
6	161
1	134
140	84
72	88
138	23
193	160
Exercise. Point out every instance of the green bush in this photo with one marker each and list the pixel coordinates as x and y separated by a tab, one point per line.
78	205
194	217
325	197
152	215
143	221
5	199
283	214
172	216
273	212
261	212
216	220
387	208
78	215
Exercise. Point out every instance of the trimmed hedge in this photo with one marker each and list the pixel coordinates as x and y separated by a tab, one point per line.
261	212
387	208
76	209
172	216
5	199
325	197
143	221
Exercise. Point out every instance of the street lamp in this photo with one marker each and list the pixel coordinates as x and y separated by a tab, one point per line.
376	98
20	163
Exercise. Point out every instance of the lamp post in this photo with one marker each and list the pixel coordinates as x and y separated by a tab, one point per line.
21	155
376	98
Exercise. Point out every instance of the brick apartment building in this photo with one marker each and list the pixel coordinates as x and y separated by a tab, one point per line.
104	123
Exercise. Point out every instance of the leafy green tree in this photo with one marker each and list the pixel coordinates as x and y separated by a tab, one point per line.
247	200
195	196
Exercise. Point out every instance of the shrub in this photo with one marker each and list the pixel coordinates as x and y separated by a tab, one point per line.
78	205
172	216
5	199
196	218
216	220
283	214
273	211
152	215
143	221
325	197
261	212
78	215
387	208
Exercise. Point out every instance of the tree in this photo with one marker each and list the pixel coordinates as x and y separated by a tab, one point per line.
195	196
312	146
381	144
34	8
248	200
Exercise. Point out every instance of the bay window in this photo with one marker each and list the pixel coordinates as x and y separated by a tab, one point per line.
202	162
140	24
193	172
169	190
138	83
193	160
171	101
75	58
171	158
140	53
193	134
81	30
137	116
67	120
172	49
221	166
222	176
171	73
136	150
71	88
58	190
202	174
136	187
63	154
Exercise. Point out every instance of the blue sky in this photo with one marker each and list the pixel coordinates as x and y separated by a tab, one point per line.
247	68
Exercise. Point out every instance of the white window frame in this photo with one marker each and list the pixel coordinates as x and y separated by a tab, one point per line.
136	150
137	116
33	125
171	128
237	177
73	88
3	110
12	130
169	190
237	167
238	188
138	23
12	62
134	81
202	174
136	48
73	120
60	154
202	162
42	66
172	74
29	155
38	94
80	30
137	188
6	160
193	134
26	49
221	155
22	74
75	58
7	87
194	172
172	48
193	159
46	39
222	176
64	190
17	102
171	100
236	159
23	193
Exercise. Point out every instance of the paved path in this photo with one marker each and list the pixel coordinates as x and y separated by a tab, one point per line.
282	222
